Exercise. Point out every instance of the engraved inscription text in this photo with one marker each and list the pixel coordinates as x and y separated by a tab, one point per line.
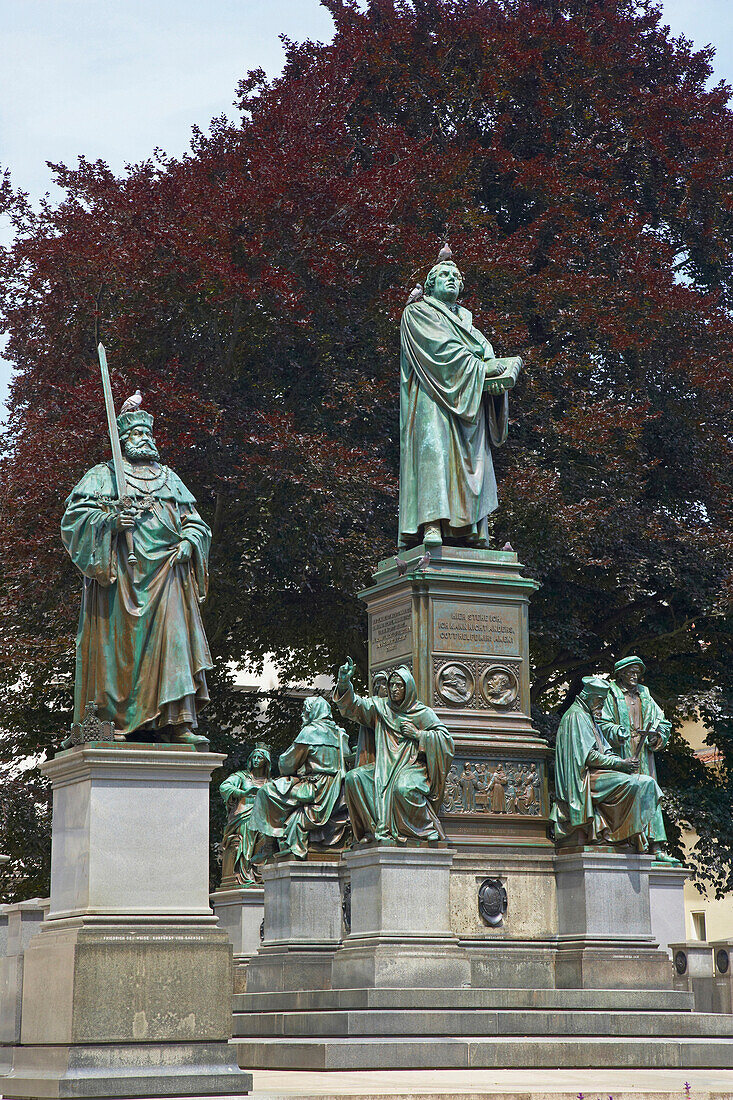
391	634
465	628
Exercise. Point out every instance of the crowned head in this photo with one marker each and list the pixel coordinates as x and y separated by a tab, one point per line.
136	436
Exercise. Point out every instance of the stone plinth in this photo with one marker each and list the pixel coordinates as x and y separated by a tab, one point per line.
302	925
22	922
127	986
462	626
130	832
694	970
667	903
723	969
400	921
605	937
241	913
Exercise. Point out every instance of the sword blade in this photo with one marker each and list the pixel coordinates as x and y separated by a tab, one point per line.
114	435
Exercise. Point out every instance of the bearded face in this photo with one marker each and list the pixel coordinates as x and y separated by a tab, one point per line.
140	445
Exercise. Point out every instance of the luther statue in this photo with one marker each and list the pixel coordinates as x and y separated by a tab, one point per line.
141	650
453	408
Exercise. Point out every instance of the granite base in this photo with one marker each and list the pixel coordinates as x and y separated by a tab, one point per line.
605	937
302	929
400	921
125	1070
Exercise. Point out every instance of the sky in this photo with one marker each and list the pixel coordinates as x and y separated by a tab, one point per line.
114	79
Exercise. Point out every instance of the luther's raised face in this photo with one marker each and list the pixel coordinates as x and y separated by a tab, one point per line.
396	689
140	445
447	283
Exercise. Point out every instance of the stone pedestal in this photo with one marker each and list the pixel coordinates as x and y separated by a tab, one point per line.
302	925
127	986
723	969
667	903
19	923
694	970
241	913
462	626
605	938
400	921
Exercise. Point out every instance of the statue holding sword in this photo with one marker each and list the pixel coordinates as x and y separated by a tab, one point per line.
132	529
636	728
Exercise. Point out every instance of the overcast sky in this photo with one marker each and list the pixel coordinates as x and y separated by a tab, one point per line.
113	79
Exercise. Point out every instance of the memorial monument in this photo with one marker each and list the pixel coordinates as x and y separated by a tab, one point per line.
127	984
456	934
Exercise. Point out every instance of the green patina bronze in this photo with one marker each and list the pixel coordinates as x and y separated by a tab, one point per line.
141	650
243	850
304	808
403	756
453	407
601	798
635	726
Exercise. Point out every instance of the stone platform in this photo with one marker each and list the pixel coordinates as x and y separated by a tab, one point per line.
513	1084
391	1028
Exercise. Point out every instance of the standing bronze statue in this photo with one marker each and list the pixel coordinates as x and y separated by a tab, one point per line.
243	850
395	796
453	408
141	650
600	797
305	807
635	726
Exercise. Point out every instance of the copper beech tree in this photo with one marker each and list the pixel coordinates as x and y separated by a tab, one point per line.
579	160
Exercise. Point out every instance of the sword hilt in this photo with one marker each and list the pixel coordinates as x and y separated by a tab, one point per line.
126	503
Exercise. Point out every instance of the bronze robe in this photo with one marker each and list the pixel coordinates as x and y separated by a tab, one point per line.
141	650
590	794
447	422
397	797
302	806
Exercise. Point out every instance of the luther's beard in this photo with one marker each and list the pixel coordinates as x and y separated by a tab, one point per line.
141	450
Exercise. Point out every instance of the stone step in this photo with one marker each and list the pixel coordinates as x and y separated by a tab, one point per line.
476	1052
622	1000
437	1023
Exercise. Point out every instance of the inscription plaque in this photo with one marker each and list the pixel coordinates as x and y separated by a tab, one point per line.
466	628
391	634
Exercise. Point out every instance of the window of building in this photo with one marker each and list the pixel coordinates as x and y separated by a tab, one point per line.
699	930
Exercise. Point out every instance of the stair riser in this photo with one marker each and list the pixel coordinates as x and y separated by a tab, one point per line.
556	1000
457	1054
454	1024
